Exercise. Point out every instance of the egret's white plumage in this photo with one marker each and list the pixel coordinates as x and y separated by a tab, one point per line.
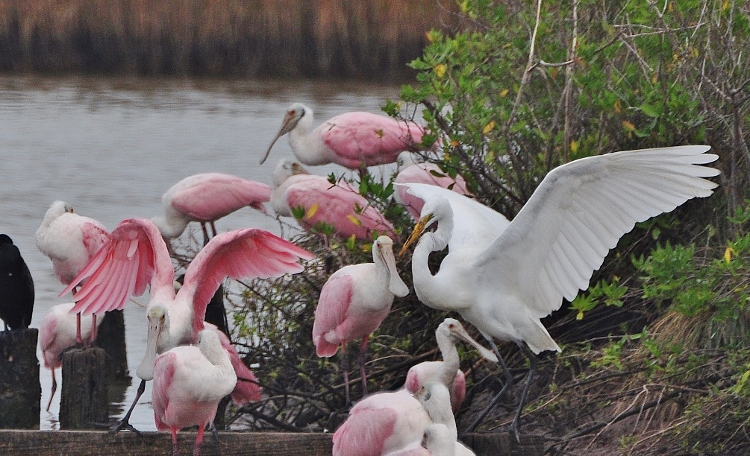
504	277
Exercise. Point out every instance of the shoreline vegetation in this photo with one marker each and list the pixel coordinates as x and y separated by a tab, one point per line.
371	40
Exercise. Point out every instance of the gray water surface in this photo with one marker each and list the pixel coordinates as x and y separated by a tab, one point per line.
111	147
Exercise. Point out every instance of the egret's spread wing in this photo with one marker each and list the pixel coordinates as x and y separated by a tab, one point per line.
578	213
475	225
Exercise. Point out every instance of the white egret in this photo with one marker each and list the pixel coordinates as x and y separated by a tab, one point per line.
504	277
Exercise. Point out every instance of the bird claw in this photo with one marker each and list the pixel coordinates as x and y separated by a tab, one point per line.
121	425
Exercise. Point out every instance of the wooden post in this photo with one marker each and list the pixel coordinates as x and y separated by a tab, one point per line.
20	390
83	400
111	337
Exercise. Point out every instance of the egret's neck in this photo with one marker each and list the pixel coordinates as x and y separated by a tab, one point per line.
429	288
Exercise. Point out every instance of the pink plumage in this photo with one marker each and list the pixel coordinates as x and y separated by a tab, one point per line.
206	198
247	389
354	140
69	240
136	255
425	372
412	172
354	302
381	424
339	206
189	382
58	333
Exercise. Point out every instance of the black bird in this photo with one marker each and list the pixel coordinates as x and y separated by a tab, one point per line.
16	286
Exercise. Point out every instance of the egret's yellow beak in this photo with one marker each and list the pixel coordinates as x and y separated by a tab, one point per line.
418	231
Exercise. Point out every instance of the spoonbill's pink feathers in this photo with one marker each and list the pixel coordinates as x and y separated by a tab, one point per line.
189	382
354	140
69	240
208	197
339	206
137	255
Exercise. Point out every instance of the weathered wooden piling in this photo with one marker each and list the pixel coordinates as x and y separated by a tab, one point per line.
83	400
20	391
111	337
41	443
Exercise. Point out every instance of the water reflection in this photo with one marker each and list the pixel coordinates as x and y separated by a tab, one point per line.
111	147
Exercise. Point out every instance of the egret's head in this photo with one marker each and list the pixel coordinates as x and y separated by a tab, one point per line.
293	115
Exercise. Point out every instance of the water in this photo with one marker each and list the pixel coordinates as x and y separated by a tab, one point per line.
111	147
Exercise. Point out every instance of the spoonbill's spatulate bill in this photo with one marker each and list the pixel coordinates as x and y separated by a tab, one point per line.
504	277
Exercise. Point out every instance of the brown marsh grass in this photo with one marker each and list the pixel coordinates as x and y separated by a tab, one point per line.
287	38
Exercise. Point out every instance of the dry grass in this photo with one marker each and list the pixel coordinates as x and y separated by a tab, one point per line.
321	38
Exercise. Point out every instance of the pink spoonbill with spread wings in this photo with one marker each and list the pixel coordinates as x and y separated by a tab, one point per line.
354	140
413	171
137	256
57	333
338	206
354	302
70	240
189	383
205	198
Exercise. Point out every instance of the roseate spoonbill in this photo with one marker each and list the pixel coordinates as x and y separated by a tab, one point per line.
338	206
58	333
504	278
70	240
354	140
189	382
412	171
436	400
206	198
380	424
16	286
137	255
353	302
448	370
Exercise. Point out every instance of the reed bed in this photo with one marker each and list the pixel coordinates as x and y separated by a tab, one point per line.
279	38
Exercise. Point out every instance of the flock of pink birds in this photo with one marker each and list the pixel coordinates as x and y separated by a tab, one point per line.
192	364
502	277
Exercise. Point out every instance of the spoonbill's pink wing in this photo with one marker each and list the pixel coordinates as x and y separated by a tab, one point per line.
348	212
214	195
94	236
365	432
164	369
335	297
362	137
134	256
248	252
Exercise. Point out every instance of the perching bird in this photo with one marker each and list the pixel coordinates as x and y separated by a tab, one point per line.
137	256
206	198
189	383
354	140
381	424
338	206
412	171
448	370
70	240
435	398
58	333
353	303
16	286
503	278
